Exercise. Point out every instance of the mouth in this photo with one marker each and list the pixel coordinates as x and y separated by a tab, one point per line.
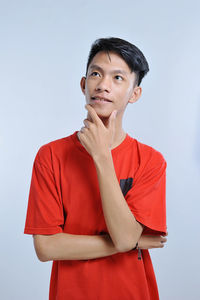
100	99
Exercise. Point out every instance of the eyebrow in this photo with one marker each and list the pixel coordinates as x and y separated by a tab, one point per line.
117	71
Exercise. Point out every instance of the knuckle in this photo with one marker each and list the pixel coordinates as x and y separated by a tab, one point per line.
83	129
86	122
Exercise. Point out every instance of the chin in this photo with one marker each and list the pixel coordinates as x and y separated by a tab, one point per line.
102	114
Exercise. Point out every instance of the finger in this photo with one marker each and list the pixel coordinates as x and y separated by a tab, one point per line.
164	240
81	136
87	123
162	243
83	129
93	115
111	120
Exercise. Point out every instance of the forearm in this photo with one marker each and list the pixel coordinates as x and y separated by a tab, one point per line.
123	228
64	246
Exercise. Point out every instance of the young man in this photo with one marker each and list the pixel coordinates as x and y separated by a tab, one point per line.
97	197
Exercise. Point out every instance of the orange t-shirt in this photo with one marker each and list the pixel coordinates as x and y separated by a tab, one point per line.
64	197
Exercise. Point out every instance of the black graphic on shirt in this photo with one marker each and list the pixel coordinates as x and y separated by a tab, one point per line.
126	185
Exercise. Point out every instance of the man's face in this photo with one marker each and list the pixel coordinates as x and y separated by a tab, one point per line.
109	84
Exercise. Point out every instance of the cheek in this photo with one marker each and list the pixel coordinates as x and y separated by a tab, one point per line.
130	88
129	92
126	93
89	86
87	90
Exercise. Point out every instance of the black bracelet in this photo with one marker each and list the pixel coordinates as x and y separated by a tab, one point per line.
136	247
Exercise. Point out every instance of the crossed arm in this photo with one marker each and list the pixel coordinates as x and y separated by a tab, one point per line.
124	230
64	246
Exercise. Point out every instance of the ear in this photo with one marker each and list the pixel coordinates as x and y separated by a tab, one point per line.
136	94
82	84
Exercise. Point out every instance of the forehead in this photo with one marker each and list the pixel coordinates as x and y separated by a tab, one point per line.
110	60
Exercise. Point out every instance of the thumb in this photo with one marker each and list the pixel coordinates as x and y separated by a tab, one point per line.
112	118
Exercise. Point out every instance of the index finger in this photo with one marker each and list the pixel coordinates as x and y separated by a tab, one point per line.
93	114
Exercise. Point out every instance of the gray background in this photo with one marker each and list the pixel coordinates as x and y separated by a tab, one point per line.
43	52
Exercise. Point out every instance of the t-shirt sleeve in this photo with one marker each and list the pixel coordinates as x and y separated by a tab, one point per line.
45	209
147	197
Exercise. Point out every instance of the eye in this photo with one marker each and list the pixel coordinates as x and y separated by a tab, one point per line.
118	77
94	74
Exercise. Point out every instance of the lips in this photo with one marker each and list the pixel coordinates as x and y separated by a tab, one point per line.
101	99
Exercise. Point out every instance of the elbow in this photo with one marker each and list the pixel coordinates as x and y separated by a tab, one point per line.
41	249
123	248
129	241
42	257
126	246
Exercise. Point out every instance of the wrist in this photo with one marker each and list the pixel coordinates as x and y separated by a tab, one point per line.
103	157
136	246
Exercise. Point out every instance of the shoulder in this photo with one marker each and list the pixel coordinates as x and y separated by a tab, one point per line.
147	155
151	163
54	150
151	153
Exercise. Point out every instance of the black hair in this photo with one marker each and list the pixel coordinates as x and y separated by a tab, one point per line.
134	58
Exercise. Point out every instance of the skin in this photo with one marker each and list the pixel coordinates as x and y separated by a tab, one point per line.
103	80
108	77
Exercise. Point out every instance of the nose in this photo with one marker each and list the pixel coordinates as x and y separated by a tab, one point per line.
104	85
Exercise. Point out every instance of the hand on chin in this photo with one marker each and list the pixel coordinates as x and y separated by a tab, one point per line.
102	113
